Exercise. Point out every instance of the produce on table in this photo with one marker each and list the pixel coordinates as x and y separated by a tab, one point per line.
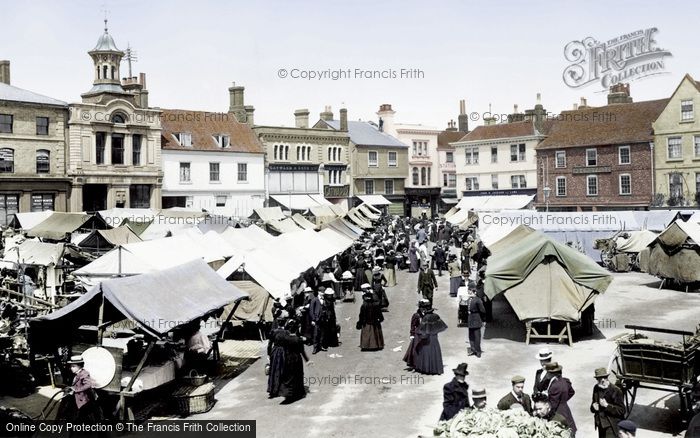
493	423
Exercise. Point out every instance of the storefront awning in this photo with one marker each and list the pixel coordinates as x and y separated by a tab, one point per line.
300	202
450	201
374	200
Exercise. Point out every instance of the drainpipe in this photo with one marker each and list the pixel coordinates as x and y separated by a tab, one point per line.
653	171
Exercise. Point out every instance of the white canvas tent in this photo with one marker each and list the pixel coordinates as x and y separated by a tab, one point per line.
275	265
29	220
147	256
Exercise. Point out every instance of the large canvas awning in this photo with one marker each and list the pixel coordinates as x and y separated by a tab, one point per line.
28	220
495	203
374	199
58	225
157	302
300	202
266	214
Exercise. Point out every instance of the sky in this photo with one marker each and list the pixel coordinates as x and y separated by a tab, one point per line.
492	54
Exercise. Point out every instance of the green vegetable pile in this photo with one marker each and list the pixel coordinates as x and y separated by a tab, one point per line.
493	423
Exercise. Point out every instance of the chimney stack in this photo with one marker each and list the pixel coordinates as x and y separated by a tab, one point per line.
451	126
235	97
327	114
343	119
575	106
5	72
619	93
463	118
237	106
301	118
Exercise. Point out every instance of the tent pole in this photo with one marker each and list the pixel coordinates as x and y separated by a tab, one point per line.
119	268
122	399
219	336
100	319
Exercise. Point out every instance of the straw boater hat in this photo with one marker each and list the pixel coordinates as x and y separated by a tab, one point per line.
601	372
423	303
308	289
76	360
376	269
365	286
544	354
461	370
347	275
478	394
328	291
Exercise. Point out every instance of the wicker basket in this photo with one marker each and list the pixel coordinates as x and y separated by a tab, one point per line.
194	378
194	399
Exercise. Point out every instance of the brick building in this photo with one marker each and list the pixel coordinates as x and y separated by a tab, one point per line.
32	151
599	158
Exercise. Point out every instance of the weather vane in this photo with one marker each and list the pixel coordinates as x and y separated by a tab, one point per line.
130	56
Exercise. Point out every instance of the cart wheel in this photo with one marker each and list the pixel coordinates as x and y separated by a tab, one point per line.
615	368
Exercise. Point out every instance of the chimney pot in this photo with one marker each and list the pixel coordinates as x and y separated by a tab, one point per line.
515	108
575	106
539	99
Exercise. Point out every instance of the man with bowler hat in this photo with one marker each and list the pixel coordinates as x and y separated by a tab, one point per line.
455	394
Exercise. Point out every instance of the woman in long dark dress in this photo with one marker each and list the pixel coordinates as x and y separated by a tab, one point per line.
378	283
413	258
276	353
428	355
292	382
409	356
328	321
370	324
360	267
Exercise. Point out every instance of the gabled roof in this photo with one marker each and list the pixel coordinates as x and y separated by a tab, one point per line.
607	125
15	94
366	134
203	126
501	130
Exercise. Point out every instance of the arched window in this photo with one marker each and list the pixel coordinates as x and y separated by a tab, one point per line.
274	153
43	164
428	176
114	73
104	72
422	176
286	153
415	176
98	71
7	160
330	150
118	118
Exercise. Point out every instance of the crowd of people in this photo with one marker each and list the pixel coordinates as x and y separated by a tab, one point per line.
369	267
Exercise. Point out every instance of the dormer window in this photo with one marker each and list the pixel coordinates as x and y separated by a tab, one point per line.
185	139
223	141
118	118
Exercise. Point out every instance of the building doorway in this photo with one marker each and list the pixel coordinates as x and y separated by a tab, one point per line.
94	197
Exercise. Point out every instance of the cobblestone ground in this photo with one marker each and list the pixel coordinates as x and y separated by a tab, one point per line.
370	393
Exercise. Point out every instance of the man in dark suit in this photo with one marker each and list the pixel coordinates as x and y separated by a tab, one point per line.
560	392
516	396
314	316
474	322
440	257
427	282
455	394
608	406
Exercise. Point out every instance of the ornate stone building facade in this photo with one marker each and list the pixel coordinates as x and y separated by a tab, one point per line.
113	155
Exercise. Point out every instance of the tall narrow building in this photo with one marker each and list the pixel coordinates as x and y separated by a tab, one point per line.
114	138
